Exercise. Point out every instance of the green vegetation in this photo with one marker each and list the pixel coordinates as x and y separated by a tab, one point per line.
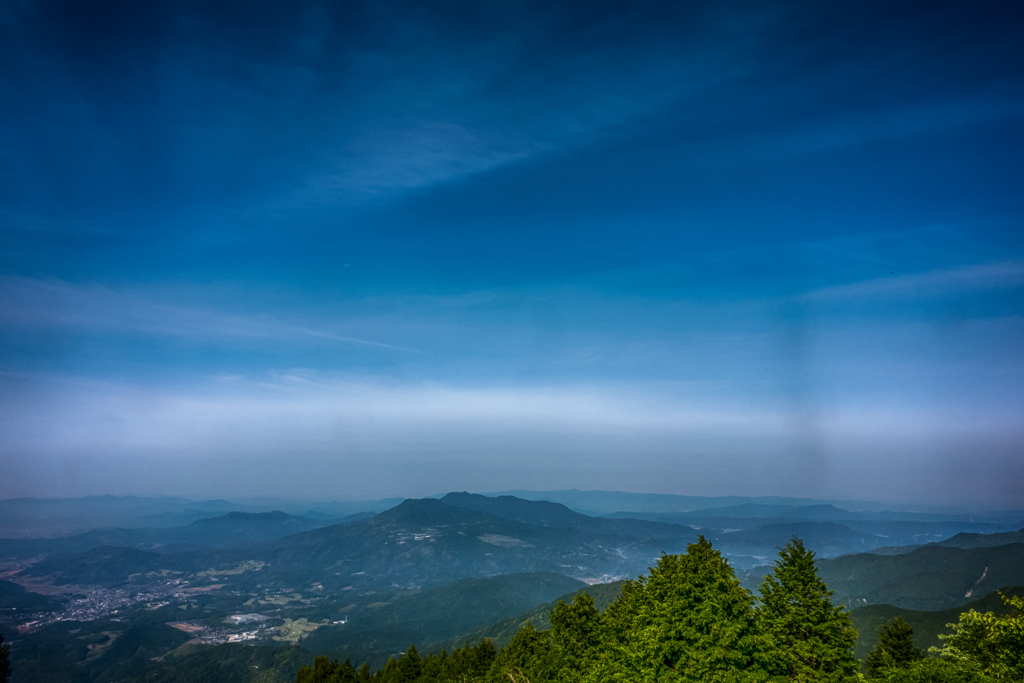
469	663
929	578
812	638
894	650
502	632
928	626
442	575
994	643
691	620
437	618
688	620
87	652
291	631
229	664
932	670
14	597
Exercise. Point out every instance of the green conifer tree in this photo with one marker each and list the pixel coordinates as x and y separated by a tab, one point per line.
574	632
409	666
894	650
389	674
434	668
326	671
530	657
810	638
690	620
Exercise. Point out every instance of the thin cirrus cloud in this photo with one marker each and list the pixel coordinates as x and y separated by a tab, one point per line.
52	303
49	304
958	282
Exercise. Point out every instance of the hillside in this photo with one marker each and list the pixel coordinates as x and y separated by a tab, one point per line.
927	625
964	541
548	514
501	632
426	542
418	543
14	598
374	632
224	531
929	578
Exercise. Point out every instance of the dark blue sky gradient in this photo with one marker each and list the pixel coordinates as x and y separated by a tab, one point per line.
736	248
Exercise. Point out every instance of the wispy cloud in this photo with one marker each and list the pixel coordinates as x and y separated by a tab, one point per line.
946	282
54	304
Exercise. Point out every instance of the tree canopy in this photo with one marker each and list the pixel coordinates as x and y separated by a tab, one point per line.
895	649
810	639
995	644
690	620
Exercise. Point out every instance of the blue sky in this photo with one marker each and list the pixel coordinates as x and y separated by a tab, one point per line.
368	249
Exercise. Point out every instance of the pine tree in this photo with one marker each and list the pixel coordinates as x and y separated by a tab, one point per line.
530	657
811	639
389	674
894	650
690	620
326	671
409	666
574	632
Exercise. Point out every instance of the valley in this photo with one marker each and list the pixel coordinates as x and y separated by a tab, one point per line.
440	572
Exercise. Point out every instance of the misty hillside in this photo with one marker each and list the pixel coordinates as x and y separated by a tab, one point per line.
964	541
440	613
927	625
426	541
231	530
548	514
926	579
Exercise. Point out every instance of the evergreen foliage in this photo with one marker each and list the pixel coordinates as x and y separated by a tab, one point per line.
326	671
936	670
574	630
810	638
470	663
531	657
690	620
895	649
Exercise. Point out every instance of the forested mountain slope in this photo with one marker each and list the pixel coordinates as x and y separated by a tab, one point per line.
929	578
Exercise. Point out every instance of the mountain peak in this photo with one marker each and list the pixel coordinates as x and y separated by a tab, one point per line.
426	511
236	517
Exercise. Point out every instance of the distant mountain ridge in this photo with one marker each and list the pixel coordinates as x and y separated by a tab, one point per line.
609	502
548	514
54	517
964	541
231	530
